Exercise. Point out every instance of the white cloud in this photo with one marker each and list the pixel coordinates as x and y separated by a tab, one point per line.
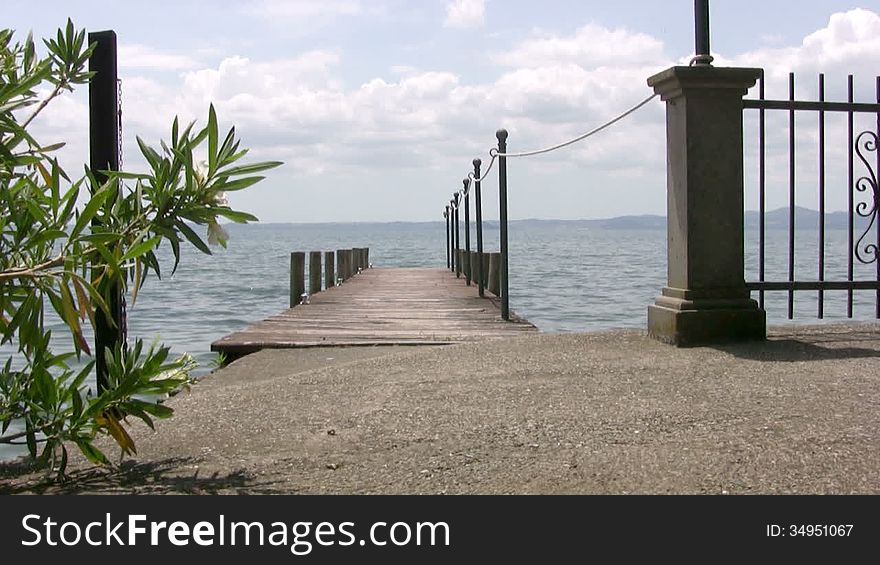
429	124
850	41
465	14
304	9
138	56
591	45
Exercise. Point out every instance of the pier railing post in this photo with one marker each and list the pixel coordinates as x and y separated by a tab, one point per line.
448	257
297	277
110	328
701	36
457	246
502	210
467	231
329	270
314	272
366	257
705	299
452	235
478	204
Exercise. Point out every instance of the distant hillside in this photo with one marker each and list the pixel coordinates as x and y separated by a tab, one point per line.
777	219
804	218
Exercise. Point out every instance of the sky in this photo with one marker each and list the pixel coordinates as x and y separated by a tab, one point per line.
378	107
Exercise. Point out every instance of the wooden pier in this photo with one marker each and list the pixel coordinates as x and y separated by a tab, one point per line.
382	306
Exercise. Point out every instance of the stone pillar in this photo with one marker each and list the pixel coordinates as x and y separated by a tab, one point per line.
705	299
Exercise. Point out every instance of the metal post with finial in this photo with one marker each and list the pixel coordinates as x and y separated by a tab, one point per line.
446	217
455	200
479	209
501	135
451	235
701	24
467	232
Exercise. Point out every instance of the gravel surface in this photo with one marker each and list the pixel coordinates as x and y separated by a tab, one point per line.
611	412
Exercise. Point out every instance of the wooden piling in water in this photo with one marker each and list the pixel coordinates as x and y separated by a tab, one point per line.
472	266
314	272
340	264
329	270
297	277
494	281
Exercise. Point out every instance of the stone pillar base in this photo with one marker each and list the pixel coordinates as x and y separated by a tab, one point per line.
686	322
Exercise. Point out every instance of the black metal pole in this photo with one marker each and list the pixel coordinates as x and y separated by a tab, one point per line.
104	156
457	239
467	232
502	211
446	217
479	209
701	25
451	236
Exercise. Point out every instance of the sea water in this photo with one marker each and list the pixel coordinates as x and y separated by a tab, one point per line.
564	277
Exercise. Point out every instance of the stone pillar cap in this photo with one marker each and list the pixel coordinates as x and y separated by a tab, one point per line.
674	81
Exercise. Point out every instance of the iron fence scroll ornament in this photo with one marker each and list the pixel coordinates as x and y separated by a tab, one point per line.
867	142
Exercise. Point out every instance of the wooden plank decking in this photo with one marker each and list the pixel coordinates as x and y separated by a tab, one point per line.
382	307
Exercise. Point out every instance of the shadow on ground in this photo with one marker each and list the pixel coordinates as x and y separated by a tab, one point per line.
797	348
176	475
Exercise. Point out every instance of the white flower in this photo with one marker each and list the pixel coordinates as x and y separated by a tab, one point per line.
200	172
220	199
216	234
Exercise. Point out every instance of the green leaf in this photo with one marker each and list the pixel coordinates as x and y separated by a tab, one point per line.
212	140
253	168
154	408
192	237
141	248
45	236
130	176
52	147
31	437
62	466
238	184
236	216
174	128
91	452
82	299
149	154
92	207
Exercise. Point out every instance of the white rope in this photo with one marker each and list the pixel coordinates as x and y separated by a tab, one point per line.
494	152
474	179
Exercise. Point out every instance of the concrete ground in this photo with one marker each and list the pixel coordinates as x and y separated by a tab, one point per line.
611	412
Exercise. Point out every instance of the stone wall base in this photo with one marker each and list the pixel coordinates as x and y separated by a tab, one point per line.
687	323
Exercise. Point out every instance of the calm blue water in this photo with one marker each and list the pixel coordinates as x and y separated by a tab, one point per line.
563	277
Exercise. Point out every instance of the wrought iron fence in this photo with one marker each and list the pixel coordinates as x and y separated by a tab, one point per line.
863	199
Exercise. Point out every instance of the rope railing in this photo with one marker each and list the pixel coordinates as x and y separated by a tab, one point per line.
606	125
473	180
494	154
